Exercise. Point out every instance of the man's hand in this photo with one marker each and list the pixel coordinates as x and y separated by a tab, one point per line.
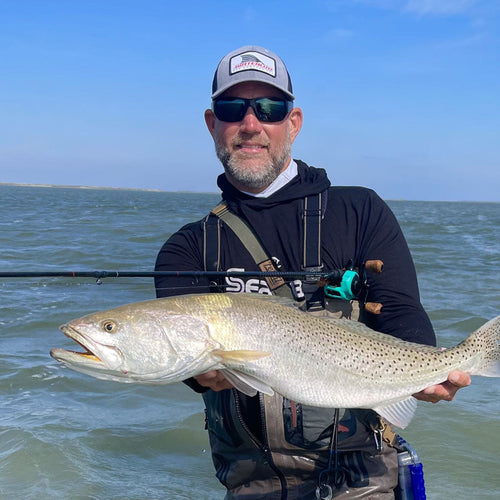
445	391
213	380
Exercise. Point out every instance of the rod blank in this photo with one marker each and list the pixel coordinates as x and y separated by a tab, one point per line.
153	274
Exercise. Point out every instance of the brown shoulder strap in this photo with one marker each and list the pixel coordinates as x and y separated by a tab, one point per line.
249	239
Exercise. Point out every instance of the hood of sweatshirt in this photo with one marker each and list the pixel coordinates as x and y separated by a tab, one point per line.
308	181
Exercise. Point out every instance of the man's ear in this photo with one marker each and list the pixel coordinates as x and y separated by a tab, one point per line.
210	121
295	119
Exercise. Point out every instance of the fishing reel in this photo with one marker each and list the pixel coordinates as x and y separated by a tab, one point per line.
346	285
350	283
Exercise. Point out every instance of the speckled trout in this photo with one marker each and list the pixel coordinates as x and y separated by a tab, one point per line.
267	344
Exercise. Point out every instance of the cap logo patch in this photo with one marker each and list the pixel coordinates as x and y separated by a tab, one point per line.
254	61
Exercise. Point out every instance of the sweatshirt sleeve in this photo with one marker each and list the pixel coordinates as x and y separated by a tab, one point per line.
183	251
396	288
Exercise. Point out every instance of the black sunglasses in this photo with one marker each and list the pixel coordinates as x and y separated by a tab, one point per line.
266	109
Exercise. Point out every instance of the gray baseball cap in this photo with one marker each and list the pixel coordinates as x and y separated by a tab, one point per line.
251	64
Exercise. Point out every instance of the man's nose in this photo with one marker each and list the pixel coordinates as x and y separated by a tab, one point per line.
250	122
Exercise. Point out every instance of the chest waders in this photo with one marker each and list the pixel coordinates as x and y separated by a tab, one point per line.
332	476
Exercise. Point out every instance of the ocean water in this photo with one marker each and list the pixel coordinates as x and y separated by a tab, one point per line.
68	436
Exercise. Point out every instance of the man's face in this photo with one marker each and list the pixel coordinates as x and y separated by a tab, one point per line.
252	152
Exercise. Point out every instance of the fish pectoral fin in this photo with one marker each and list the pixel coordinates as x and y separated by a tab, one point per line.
400	413
246	383
240	356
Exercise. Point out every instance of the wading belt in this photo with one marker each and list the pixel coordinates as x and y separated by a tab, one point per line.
312	214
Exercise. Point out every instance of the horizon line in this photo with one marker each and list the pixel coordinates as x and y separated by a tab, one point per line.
153	190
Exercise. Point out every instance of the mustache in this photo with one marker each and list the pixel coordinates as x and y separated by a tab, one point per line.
238	140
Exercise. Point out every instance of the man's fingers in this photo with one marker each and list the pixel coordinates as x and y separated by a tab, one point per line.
447	390
459	379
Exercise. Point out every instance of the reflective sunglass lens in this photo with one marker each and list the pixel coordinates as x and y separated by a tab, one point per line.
230	111
269	110
265	108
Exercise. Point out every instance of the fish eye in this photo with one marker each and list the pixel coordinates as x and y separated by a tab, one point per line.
109	326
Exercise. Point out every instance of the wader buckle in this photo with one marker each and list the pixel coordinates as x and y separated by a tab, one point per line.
324	492
378	435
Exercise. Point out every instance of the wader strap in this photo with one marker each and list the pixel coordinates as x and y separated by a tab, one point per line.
312	216
243	231
211	243
314	211
211	250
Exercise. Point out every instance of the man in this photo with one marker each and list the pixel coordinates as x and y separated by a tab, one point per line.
269	447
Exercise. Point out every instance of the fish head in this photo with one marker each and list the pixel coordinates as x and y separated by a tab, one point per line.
140	342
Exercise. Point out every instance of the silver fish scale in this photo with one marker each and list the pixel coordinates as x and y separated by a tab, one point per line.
350	343
266	346
319	357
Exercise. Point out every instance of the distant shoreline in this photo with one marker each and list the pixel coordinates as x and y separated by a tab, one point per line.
104	188
109	188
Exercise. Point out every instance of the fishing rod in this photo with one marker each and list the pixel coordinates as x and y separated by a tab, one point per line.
346	283
317	275
154	274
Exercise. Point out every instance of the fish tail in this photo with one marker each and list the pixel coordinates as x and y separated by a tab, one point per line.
487	340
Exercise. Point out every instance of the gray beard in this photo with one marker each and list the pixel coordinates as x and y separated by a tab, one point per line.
247	178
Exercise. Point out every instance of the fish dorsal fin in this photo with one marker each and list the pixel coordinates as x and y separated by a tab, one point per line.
246	383
275	299
365	331
400	413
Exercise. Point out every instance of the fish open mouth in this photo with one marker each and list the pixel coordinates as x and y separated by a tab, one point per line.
87	352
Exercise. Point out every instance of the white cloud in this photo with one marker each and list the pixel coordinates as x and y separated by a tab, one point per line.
419	7
438	7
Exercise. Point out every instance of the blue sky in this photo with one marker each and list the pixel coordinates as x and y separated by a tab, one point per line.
399	95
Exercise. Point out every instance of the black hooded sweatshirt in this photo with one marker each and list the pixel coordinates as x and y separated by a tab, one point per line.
357	226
